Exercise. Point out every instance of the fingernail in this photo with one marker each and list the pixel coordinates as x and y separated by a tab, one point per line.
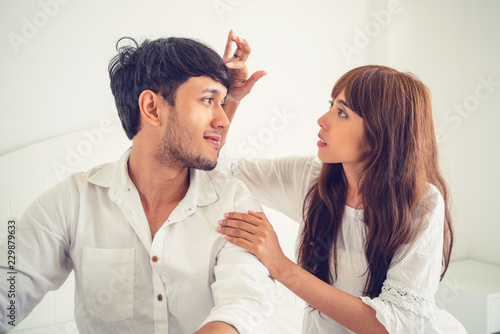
226	215
220	222
219	228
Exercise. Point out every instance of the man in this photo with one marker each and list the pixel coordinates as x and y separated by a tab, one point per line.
140	233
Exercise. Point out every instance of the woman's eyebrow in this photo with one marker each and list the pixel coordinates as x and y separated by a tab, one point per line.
343	103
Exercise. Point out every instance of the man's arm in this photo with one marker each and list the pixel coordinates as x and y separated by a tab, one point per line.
217	327
40	260
241	84
244	294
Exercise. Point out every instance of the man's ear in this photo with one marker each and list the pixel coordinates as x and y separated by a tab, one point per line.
150	104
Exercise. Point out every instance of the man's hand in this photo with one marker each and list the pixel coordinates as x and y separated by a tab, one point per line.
240	85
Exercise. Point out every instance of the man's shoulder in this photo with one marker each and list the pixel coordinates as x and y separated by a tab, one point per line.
83	176
79	180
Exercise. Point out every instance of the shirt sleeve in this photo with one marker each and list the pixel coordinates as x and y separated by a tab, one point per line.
281	184
41	256
244	293
406	303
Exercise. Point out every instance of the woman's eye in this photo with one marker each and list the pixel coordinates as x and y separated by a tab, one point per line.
342	113
330	102
208	100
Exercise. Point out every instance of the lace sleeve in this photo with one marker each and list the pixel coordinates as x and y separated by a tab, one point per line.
402	309
407	298
406	302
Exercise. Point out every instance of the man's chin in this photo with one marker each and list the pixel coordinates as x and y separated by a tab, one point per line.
207	167
203	164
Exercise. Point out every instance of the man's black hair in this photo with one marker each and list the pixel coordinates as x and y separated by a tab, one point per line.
160	65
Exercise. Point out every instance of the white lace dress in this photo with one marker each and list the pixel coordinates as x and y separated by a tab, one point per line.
406	303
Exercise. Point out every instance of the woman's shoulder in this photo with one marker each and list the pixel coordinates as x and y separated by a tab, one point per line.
432	199
431	207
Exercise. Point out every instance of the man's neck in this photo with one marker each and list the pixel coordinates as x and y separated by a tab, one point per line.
158	185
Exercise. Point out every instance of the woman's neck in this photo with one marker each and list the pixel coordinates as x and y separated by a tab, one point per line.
354	197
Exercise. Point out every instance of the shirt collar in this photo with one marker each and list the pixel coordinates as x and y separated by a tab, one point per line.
201	191
115	176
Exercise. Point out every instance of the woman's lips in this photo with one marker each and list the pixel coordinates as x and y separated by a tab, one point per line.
321	142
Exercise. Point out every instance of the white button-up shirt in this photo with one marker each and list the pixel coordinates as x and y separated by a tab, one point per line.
189	275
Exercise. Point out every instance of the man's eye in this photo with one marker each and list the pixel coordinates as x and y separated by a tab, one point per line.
208	100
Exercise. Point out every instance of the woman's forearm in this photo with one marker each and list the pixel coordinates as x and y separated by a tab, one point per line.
230	107
338	305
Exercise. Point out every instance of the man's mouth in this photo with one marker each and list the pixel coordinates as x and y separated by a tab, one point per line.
213	139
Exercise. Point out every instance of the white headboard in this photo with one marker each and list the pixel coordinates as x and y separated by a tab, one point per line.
27	173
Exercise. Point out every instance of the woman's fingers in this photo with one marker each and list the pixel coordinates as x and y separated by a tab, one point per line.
253	232
259	215
242	48
236	65
229	46
236	233
231	225
249	246
250	226
243	217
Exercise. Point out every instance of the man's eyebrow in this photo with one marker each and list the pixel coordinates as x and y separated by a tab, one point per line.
212	91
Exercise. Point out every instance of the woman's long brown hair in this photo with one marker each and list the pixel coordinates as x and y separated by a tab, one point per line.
402	161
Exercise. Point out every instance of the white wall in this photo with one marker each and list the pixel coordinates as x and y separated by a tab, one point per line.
453	46
54	78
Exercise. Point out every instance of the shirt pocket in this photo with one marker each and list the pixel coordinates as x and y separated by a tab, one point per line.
108	283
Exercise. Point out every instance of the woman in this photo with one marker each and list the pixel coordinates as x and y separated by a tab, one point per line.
376	235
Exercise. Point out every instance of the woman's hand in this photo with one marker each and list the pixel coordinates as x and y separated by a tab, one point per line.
240	85
253	232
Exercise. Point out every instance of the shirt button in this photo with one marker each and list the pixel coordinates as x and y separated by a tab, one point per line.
154	258
159	297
